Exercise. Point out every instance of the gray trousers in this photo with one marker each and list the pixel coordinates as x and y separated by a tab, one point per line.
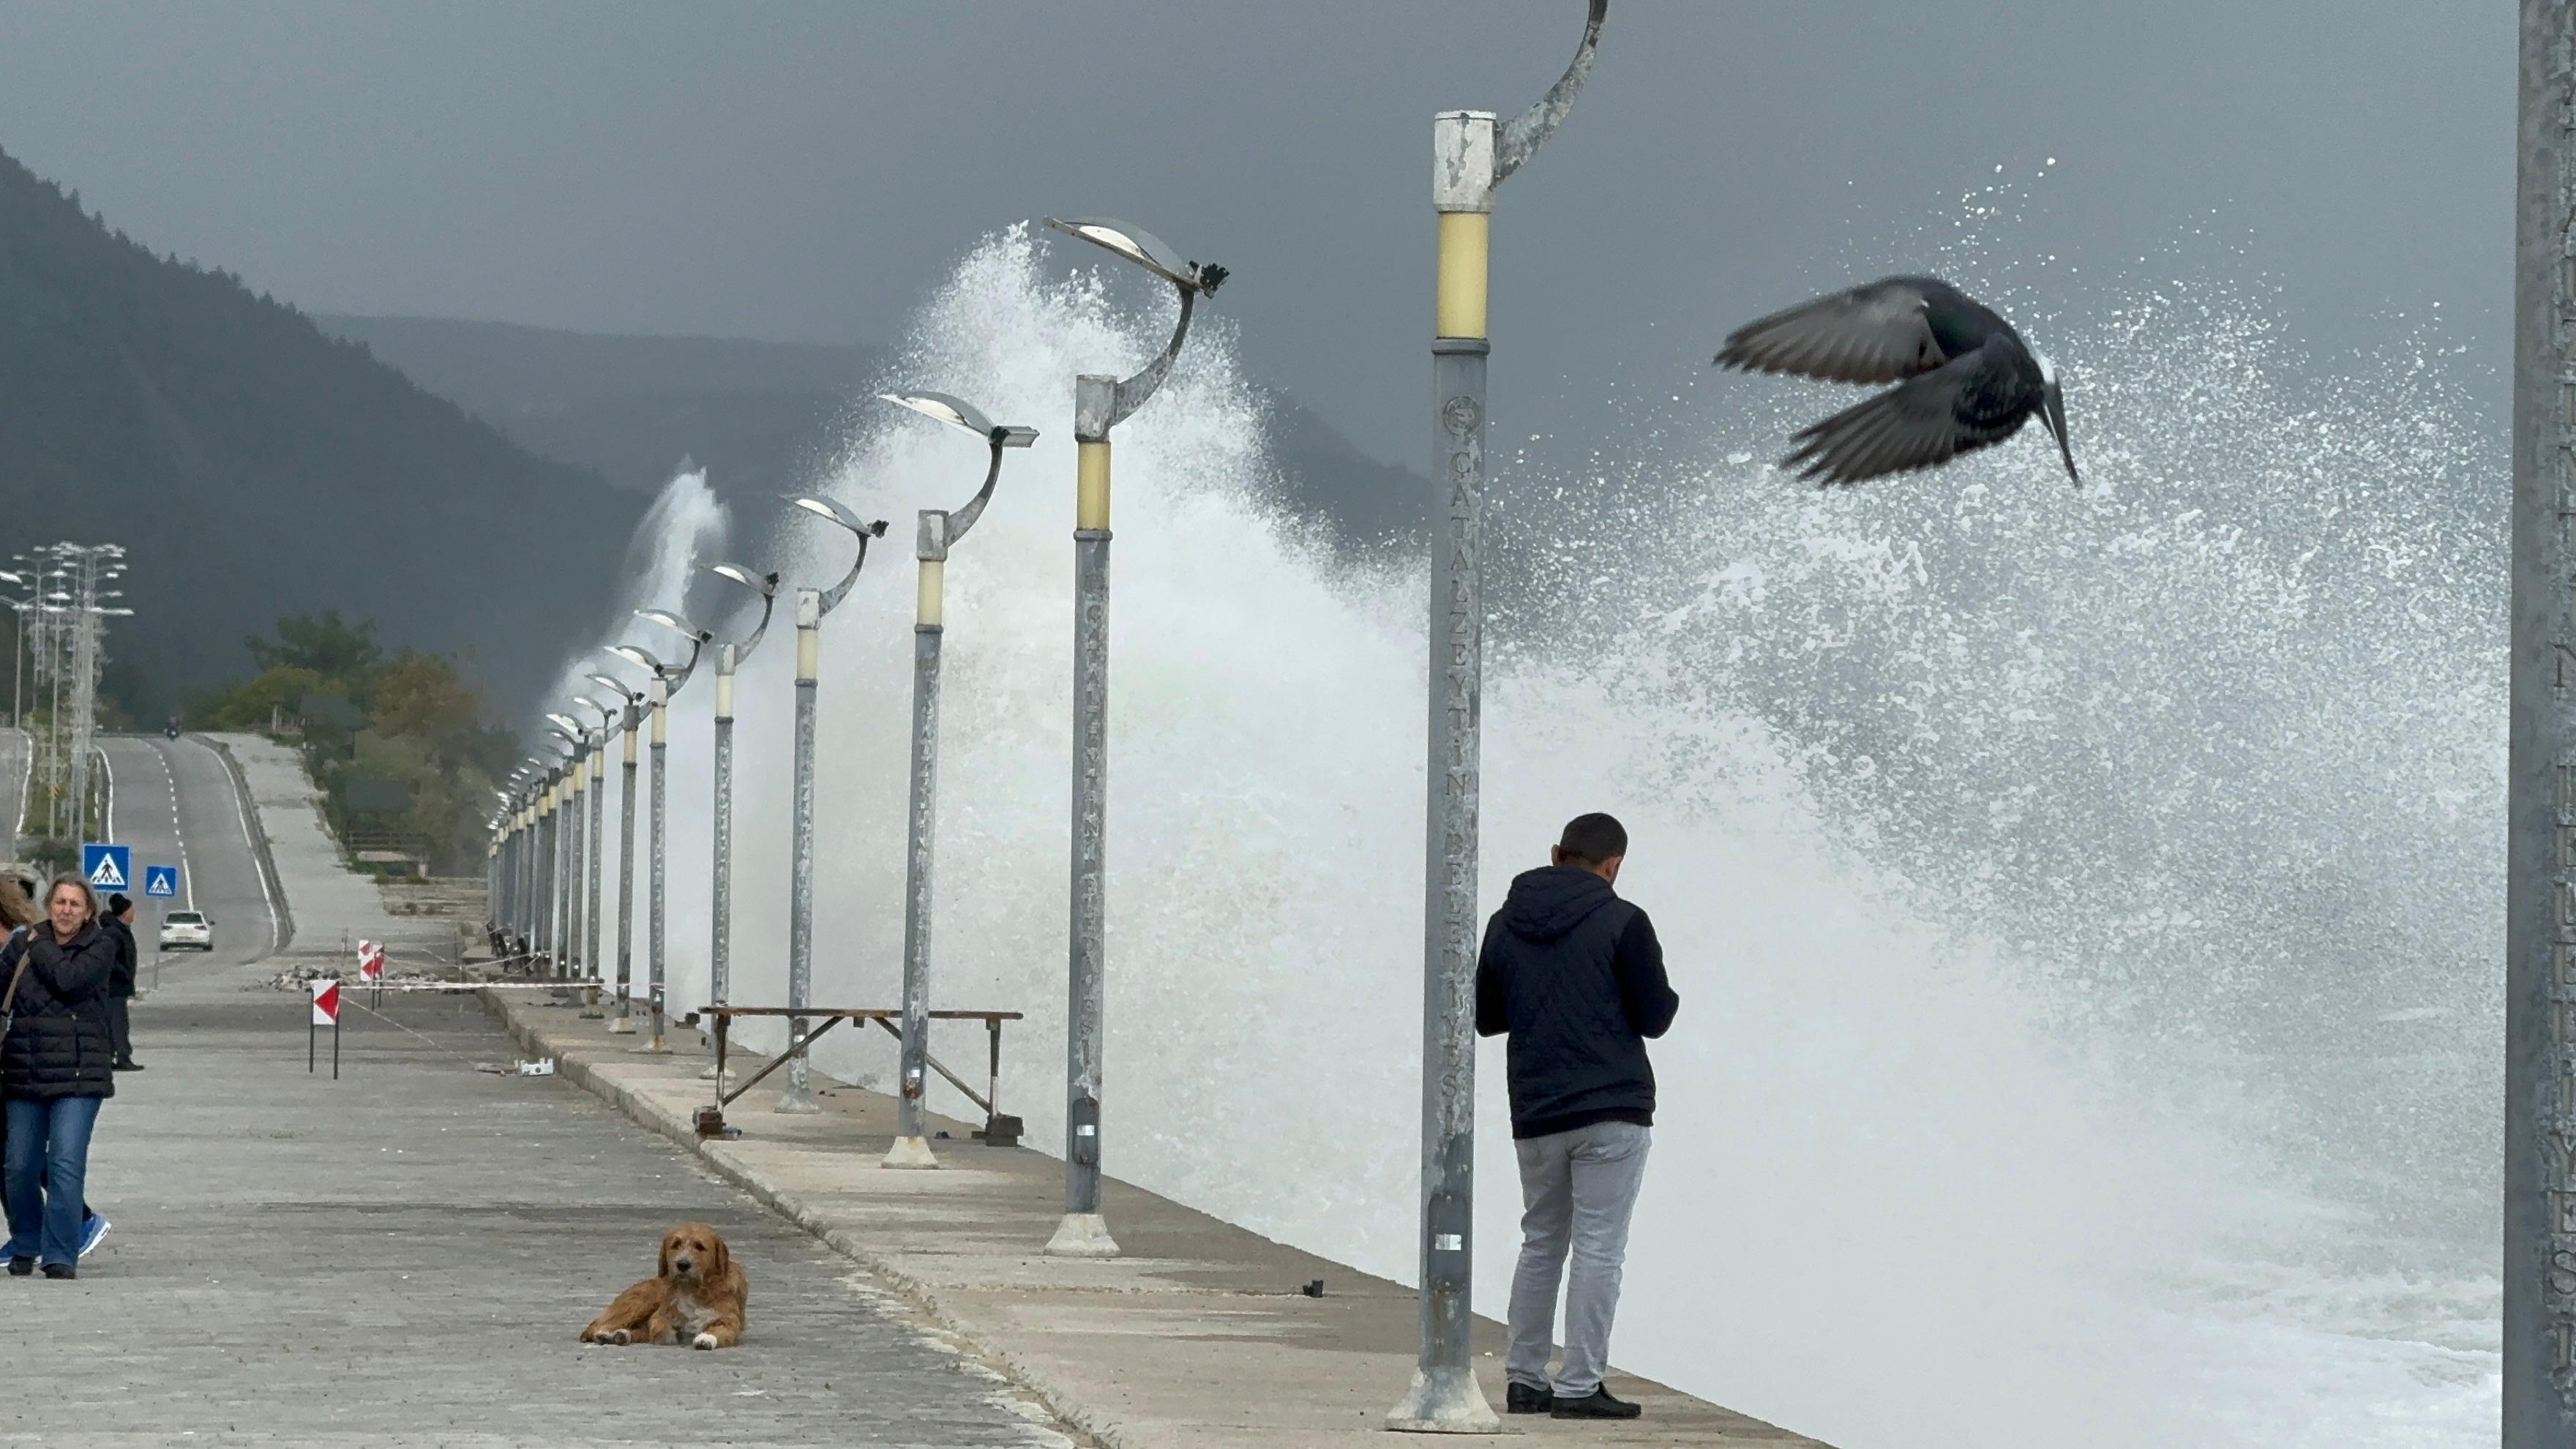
1577	1191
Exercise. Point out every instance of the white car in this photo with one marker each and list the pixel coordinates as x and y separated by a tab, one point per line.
187	928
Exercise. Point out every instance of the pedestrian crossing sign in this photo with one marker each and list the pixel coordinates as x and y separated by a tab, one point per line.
161	880
109	867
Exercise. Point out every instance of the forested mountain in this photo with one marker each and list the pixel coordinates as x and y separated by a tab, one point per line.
254	468
766	416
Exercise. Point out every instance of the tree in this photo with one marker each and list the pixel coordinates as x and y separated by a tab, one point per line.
346	654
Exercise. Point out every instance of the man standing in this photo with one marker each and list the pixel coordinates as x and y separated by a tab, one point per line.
1575	975
120	980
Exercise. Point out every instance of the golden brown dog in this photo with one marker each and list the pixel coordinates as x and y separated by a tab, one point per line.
697	1298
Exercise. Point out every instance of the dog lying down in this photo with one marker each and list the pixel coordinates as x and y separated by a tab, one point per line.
696	1299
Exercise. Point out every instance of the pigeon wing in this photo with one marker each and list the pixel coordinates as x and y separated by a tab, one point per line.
1874	333
1965	404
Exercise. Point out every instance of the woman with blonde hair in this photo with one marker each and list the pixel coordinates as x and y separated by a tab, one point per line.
55	1071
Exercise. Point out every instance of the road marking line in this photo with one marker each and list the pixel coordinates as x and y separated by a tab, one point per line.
241	804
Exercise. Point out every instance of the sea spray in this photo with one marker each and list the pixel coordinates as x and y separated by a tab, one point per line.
2001	838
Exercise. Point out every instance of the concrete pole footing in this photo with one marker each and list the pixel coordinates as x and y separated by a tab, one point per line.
1082	1235
1444	1401
622	1026
910	1152
708	1073
797	1104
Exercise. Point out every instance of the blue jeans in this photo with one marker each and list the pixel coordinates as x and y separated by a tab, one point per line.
42	1172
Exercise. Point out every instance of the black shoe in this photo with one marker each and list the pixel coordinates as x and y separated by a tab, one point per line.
127	1066
1596	1405
1520	1398
61	1270
21	1267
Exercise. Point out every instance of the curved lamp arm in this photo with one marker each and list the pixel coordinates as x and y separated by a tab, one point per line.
1191	278
1530	129
696	636
962	415
766	585
820	506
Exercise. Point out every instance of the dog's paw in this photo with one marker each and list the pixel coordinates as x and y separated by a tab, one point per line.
703	1340
617	1336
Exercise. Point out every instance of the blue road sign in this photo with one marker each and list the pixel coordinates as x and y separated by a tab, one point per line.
160	880
109	867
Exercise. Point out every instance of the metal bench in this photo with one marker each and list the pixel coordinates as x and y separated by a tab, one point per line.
999	1130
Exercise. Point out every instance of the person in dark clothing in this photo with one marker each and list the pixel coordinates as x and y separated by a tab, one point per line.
1575	977
119	922
54	1070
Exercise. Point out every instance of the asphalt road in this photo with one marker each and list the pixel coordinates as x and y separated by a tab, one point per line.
174	802
405	1255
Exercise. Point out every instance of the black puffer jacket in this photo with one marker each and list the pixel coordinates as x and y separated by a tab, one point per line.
120	982
1576	976
58	1043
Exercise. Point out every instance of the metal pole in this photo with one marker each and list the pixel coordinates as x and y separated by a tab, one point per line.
2540	911
911	1147
661	810
623	1022
573	844
1470	157
1084	1232
598	848
720	946
798	1094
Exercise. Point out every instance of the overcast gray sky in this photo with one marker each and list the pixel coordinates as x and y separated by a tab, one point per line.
806	171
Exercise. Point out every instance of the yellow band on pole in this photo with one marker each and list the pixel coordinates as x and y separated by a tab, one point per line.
724	695
1091	496
809	653
927	601
1460	311
630	744
661	724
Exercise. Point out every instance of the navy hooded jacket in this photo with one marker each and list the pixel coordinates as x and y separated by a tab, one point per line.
1576	976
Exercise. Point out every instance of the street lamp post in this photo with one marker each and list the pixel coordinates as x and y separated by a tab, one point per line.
811	606
664	683
939	532
578	841
2539	1410
633	716
729	658
1470	158
1099	404
598	848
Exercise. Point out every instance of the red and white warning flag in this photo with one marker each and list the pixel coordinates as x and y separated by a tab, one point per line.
371	961
326	1003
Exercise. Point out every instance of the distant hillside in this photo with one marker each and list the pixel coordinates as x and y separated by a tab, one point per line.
254	467
764	416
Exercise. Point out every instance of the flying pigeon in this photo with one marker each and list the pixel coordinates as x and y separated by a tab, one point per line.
1967	380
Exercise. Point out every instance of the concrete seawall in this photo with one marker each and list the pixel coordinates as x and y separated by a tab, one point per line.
1198	1338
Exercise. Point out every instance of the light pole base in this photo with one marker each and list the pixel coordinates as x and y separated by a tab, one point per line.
1444	1401
797	1101
909	1152
1082	1235
708	1073
622	1026
592	1013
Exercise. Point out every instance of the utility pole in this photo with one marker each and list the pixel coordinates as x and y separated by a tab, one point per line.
2540	899
1470	156
91	568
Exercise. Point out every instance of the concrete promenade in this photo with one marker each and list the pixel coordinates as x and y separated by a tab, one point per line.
404	1256
1197	1338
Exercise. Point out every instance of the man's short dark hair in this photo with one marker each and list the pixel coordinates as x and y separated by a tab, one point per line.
118	904
1593	839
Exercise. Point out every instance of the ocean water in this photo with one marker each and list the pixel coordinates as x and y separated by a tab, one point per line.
2085	904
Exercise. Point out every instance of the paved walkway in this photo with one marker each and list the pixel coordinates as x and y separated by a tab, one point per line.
1198	1338
404	1256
